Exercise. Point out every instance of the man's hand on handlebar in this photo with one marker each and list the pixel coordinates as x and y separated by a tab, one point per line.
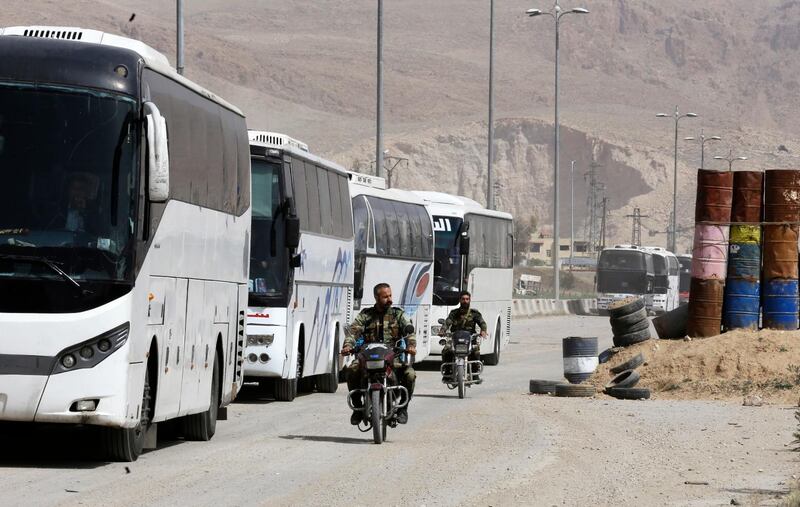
346	351
483	334
412	350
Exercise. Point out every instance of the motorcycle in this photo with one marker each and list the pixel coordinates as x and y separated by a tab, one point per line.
462	372
382	397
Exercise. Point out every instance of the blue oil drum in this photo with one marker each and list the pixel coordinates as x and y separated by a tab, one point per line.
744	261
780	304
742	303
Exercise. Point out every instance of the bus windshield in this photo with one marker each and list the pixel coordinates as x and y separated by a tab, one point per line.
68	159
269	261
447	260
686	273
622	272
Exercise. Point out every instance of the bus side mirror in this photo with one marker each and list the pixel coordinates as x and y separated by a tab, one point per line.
157	154
295	261
464	244
292	231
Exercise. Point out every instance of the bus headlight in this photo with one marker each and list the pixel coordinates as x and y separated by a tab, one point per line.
264	340
91	352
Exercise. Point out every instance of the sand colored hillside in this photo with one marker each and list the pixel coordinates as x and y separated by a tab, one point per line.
724	367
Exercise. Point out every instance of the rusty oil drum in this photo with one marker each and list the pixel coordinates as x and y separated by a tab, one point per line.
782	195
714	196
747	192
780	252
705	308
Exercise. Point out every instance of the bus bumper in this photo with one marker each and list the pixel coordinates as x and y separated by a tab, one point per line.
54	398
262	361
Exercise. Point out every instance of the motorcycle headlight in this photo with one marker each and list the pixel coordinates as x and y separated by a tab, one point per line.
91	352
264	340
376	364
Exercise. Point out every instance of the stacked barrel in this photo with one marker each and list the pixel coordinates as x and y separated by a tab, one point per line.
781	214
741	307
710	252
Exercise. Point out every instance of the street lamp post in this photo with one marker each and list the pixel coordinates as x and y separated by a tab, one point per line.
557	13
677	117
703	140
730	159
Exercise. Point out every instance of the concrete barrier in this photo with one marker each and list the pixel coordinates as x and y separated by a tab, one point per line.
526	308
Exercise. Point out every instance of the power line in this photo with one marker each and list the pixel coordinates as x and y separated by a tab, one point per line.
636	231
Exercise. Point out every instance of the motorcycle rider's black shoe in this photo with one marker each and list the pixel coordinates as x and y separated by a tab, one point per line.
402	416
356	417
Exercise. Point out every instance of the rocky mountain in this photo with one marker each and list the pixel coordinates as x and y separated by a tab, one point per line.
307	68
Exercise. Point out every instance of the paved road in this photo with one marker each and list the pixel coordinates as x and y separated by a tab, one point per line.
499	446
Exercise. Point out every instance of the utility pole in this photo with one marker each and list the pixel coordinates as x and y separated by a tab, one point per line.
603	226
489	175
379	169
636	232
179	58
670	233
593	201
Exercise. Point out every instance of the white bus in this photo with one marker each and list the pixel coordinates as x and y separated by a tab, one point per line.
301	268
666	283
484	267
624	271
394	244
124	226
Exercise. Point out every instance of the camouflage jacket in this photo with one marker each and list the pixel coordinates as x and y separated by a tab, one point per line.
371	325
458	320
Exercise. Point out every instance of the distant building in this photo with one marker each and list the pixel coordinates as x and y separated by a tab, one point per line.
540	251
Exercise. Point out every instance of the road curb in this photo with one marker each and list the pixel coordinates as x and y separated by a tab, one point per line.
526	308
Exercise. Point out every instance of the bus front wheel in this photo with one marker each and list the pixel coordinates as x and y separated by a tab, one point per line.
126	444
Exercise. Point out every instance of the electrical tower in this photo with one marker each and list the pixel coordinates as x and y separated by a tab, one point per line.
636	232
594	200
604	206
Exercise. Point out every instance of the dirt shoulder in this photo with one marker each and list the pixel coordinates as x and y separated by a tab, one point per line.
725	367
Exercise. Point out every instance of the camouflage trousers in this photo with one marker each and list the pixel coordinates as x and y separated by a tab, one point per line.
405	375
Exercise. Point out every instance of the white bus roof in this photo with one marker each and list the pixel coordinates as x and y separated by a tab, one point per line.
658	250
393	194
286	144
152	58
456	205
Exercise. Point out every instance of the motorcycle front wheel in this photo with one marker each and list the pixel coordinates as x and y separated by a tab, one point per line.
460	380
377	427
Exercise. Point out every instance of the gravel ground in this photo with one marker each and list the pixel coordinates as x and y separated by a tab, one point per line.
499	446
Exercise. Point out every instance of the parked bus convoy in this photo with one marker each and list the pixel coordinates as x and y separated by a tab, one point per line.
651	272
142	279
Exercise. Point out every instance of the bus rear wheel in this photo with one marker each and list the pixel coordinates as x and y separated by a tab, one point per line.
493	359
126	444
329	382
202	426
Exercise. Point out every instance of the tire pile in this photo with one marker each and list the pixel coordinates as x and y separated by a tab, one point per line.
629	322
562	389
622	386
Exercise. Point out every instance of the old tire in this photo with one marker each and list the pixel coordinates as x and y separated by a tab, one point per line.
202	426
329	382
631	364
626	306
575	390
620	329
631	318
627	378
543	386
607	354
625	340
629	393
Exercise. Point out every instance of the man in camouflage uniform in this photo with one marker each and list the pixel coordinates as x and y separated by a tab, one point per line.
380	323
463	318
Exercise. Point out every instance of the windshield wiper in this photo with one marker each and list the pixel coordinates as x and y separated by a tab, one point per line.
50	264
